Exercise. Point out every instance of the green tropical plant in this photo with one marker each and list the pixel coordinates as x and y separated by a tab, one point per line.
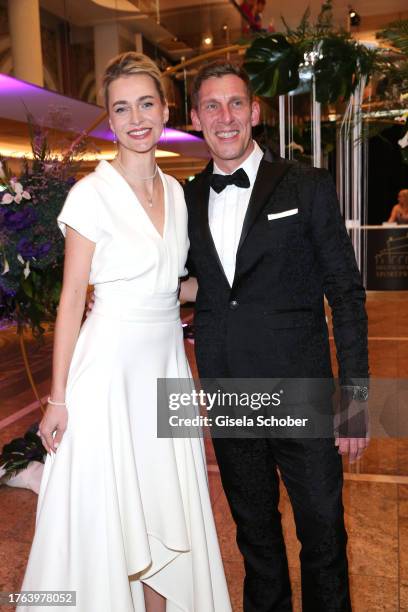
306	30
397	34
340	66
276	62
396	72
18	453
272	63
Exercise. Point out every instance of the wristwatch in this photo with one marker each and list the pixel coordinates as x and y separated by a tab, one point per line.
360	394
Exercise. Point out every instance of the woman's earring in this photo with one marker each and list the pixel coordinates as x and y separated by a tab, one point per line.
115	140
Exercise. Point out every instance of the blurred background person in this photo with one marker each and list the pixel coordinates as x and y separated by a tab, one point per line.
399	213
247	9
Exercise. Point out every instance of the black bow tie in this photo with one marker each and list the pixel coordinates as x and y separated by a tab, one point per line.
238	178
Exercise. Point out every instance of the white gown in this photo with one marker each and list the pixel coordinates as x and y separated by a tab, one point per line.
117	505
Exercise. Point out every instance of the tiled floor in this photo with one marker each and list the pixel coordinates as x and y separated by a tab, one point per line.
375	498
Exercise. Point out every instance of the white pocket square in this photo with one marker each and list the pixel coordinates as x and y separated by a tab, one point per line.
285	213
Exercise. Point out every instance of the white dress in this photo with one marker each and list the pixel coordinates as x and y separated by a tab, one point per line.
117	505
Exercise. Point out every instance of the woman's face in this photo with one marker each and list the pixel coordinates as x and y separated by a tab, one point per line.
403	198
136	113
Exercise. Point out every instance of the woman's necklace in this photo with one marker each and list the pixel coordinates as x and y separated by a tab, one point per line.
141	178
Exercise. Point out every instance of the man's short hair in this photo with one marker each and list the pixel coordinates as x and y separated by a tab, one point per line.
218	69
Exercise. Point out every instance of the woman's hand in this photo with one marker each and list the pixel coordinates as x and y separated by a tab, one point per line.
54	419
188	290
90	303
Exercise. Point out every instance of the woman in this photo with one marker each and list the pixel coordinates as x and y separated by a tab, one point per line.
399	213
124	518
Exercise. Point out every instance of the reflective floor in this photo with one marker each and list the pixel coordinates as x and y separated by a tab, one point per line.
375	492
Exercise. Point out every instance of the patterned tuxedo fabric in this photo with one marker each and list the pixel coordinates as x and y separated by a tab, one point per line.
294	250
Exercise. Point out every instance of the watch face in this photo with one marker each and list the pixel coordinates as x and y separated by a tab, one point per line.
360	394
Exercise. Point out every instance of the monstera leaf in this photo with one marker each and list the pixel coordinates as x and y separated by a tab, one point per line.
272	63
335	70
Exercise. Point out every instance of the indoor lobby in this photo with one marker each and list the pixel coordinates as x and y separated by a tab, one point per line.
330	82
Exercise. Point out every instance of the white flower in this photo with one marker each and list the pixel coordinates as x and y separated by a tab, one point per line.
26	265
7	199
404	141
6	267
19	191
26	270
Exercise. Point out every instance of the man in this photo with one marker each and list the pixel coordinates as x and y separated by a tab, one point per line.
267	242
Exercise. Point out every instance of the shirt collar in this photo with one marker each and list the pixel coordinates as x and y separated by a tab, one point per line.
250	165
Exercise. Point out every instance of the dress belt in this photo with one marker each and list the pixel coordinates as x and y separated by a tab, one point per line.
145	309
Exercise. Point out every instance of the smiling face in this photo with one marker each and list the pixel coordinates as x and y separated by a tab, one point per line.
136	112
403	199
226	115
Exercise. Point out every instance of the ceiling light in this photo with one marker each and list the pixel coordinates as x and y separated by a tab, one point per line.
118	5
21	151
354	18
207	41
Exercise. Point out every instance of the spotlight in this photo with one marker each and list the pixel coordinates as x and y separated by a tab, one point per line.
207	41
354	18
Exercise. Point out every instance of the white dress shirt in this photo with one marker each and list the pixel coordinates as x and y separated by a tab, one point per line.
226	213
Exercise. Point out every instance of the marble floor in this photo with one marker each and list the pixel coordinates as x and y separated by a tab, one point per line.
375	491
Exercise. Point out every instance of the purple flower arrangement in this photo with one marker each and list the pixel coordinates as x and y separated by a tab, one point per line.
31	245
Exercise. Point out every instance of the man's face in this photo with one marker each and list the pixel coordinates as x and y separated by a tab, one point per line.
226	116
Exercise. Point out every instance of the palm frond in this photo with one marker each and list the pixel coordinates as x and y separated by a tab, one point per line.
302	29
397	34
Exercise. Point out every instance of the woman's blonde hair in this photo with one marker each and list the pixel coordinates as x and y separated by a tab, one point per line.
127	64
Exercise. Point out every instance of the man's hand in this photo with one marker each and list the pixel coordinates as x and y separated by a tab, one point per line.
351	424
353	447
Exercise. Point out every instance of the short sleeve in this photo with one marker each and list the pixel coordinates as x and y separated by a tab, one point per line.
80	210
181	225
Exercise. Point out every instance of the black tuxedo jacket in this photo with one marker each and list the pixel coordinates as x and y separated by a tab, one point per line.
271	322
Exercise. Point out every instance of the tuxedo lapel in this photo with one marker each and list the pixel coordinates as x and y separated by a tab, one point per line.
269	176
203	196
